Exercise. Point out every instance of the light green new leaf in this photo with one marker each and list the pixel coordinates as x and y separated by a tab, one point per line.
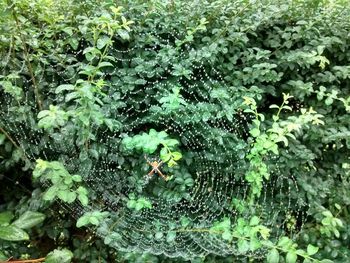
255	132
311	250
83	199
83	221
5	218
176	156
227	235
51	193
254	221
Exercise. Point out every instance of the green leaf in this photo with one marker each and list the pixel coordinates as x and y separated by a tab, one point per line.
264	232
255	132
76	178
172	163
223	225
243	246
273	256
329	101
171	142
73	42
311	250
59	256
138	206
164	155
227	235
291	257
184	221
3	257
254	221
162	135
176	156
327	213
50	193
71	96
171	236
71	196
82	190
140	82
83	221
2	138
150	146
336	232
83	199
189	182
94	220
6	217
131	204
254	244
105	64
43	114
12	233
159	235
284	242
123	34
64	87
102	42
29	219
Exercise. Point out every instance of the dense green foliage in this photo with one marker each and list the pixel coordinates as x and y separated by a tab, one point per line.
242	105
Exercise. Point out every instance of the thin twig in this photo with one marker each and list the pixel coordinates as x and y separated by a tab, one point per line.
14	143
10	138
29	65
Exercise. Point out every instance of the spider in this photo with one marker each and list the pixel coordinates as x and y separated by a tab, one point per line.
155	168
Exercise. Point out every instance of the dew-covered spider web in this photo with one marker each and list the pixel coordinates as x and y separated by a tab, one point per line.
157	84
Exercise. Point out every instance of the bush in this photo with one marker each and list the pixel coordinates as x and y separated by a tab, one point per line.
175	130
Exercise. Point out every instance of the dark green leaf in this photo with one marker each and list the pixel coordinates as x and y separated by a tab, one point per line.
12	233
29	219
59	256
273	256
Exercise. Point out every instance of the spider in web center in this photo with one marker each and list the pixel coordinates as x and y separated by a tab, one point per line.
156	168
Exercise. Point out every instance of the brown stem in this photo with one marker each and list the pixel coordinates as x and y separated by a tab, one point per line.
26	261
10	138
14	143
29	65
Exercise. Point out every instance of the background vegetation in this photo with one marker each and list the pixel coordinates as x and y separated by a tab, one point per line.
255	91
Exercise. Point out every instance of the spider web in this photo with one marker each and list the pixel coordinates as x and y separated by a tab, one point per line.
213	139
